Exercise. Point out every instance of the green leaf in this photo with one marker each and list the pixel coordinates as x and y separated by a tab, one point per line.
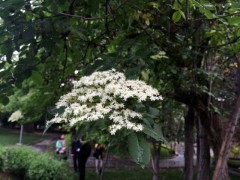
154	111
133	146
2	64
4	99
155	132
238	33
54	111
28	34
204	10
235	21
208	14
9	55
79	34
139	149
146	156
36	77
182	14
176	16
145	75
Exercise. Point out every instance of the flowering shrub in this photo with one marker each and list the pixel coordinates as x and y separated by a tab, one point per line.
105	95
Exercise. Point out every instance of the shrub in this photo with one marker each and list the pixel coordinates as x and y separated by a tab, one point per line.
46	167
28	164
1	158
18	160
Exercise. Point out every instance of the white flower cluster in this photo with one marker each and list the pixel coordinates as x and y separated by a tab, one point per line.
103	95
15	116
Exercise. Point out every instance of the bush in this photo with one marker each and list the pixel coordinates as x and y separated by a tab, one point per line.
30	165
46	167
18	160
1	158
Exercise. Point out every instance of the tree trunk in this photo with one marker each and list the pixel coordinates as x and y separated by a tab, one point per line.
155	160
29	128
219	173
189	140
198	140
204	155
221	166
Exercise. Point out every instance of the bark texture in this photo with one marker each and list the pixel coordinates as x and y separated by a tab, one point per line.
204	155
189	140
155	160
219	173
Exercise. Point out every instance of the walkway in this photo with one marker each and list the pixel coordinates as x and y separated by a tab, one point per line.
113	161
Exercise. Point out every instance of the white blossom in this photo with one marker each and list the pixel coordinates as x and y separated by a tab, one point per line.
103	95
15	116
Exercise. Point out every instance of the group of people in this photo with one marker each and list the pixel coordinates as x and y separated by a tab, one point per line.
80	151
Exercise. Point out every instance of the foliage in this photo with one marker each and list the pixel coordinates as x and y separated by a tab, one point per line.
46	167
184	48
1	158
29	164
18	160
234	151
182	41
110	97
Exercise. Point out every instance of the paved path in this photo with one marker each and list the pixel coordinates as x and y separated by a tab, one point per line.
113	161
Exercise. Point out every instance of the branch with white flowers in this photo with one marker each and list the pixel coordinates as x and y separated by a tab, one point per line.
104	95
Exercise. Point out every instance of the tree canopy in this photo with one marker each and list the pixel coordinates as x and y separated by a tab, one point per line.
187	49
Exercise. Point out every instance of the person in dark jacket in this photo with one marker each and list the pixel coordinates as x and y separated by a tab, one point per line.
80	151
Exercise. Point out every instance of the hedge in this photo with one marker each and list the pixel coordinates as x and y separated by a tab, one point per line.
27	163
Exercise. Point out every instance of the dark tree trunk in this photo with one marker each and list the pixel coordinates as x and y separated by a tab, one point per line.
189	140
198	140
220	172
29	128
211	124
204	155
155	160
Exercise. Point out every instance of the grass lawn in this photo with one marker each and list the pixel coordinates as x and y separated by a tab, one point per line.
137	174
128	174
11	137
125	174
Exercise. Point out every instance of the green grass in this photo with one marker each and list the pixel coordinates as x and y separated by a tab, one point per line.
137	174
127	174
11	137
132	174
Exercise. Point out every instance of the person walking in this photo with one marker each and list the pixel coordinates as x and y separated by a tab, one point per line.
99	155
80	151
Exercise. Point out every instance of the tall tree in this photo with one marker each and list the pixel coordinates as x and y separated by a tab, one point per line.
174	40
